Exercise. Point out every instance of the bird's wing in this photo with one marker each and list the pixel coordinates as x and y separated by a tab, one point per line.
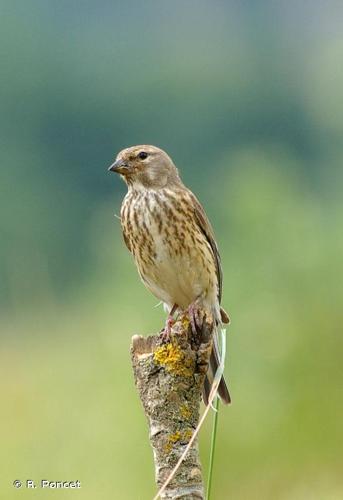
126	240
206	228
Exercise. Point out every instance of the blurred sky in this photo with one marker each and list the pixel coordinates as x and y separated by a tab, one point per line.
247	99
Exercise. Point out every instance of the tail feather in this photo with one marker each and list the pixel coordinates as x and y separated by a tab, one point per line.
223	390
206	389
214	363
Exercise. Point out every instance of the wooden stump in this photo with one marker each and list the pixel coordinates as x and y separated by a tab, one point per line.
169	377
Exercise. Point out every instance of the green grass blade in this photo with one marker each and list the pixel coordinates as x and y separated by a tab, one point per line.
213	447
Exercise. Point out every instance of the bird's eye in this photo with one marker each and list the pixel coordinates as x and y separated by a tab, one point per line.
142	155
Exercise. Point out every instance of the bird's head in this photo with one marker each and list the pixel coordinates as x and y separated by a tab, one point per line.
146	167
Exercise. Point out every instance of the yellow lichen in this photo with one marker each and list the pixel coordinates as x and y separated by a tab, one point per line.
174	438
177	437
174	360
187	435
185	412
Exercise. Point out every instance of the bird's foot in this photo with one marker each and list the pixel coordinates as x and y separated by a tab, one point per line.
166	332
196	318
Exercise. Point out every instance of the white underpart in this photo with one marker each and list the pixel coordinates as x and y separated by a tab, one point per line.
177	279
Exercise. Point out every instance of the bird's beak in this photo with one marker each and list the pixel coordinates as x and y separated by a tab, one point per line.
119	166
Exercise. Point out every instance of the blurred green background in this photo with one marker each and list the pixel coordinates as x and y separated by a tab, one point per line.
247	99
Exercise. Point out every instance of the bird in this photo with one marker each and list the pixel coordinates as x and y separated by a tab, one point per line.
167	231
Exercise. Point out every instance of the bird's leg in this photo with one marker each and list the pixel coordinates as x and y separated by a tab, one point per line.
196	319
165	334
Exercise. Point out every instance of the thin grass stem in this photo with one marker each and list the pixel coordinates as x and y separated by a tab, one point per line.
213	448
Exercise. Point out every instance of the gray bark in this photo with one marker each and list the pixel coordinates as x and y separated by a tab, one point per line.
169	377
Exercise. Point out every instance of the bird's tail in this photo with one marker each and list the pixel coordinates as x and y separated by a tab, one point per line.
216	365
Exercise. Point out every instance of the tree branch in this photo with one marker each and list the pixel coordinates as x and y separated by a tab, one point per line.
169	378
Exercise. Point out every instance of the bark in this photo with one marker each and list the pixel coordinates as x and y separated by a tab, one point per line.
169	377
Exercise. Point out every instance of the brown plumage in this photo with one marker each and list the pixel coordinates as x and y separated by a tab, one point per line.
171	239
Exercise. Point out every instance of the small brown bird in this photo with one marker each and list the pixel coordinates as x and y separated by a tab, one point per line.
172	241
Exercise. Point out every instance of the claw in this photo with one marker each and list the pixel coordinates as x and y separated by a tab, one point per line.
166	332
195	318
